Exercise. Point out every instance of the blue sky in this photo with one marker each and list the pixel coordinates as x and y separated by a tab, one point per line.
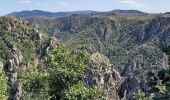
154	6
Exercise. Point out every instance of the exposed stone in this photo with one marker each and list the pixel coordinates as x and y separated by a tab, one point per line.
52	42
130	68
127	88
1	66
12	65
101	72
16	30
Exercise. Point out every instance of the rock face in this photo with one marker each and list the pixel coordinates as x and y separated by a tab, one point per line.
127	88
135	79
23	45
102	72
14	60
51	44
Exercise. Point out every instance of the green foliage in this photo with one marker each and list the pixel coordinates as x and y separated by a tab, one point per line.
64	68
60	78
35	84
3	86
62	61
3	50
141	96
80	92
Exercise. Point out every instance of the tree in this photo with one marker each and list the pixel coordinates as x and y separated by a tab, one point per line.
80	92
35	84
62	77
141	96
65	68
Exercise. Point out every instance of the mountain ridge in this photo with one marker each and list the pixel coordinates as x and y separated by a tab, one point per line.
30	13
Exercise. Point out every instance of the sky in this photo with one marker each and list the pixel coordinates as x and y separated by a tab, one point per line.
150	6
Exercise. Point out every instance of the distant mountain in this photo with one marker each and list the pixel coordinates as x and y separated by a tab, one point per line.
85	12
126	11
27	13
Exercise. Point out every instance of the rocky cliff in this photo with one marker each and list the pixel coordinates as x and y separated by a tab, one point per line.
20	46
102	72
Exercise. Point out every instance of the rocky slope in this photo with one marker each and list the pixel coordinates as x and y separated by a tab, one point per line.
102	72
20	45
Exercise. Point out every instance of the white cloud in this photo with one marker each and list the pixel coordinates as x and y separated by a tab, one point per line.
67	5
64	4
133	3
42	4
25	1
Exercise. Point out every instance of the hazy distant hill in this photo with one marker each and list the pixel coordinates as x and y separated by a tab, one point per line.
27	13
126	11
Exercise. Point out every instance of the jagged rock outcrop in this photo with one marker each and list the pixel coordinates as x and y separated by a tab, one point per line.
130	68
23	45
51	44
128	88
14	60
102	72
